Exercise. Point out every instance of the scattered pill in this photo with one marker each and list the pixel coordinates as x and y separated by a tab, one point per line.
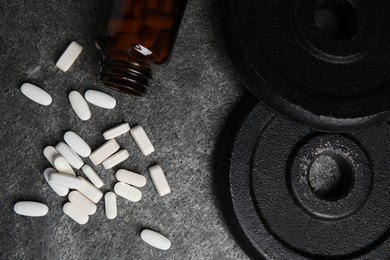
116	131
159	21
115	159
131	178
110	205
50	152
36	94
62	165
60	190
79	105
100	99
77	144
73	159
127	192
82	202
155	239
75	213
104	151
142	140
65	180
89	190
31	208
92	176
69	56
159	180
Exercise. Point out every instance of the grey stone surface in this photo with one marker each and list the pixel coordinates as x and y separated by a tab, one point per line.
184	114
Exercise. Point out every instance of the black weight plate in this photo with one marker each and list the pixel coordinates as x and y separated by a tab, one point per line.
325	63
268	175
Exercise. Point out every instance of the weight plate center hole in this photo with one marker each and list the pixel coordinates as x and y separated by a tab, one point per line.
331	177
337	20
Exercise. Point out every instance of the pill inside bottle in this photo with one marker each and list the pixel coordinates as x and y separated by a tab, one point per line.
137	37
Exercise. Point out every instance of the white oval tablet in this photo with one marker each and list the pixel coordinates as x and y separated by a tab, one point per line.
115	159
159	180
155	239
50	152
69	56
142	140
127	192
73	158
116	131
77	144
100	99
82	202
104	151
110	205
62	165
79	105
92	176
36	94
60	190
131	178
75	213
89	190
65	180
31	208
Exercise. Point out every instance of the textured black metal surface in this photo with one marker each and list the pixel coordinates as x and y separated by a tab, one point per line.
277	206
325	63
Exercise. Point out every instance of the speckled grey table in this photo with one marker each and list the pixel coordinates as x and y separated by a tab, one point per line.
184	114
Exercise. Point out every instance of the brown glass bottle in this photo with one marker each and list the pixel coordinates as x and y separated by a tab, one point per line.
139	36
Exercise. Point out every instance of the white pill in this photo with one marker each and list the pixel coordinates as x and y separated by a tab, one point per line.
92	176
100	99
73	159
89	190
31	208
116	131
62	165
79	105
36	94
142	140
131	178
60	190
75	213
110	205
104	151
155	239
65	180
77	144
159	180
69	56
127	192
82	202
50	152
115	159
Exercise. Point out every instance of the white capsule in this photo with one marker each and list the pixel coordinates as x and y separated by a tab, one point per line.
75	213
131	178
116	131
159	180
104	151
73	159
82	202
110	205
31	208
65	180
50	152
115	159
100	99
92	176
77	144
79	105
69	56
142	140
62	165
36	94
155	239
127	192
60	190
89	190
